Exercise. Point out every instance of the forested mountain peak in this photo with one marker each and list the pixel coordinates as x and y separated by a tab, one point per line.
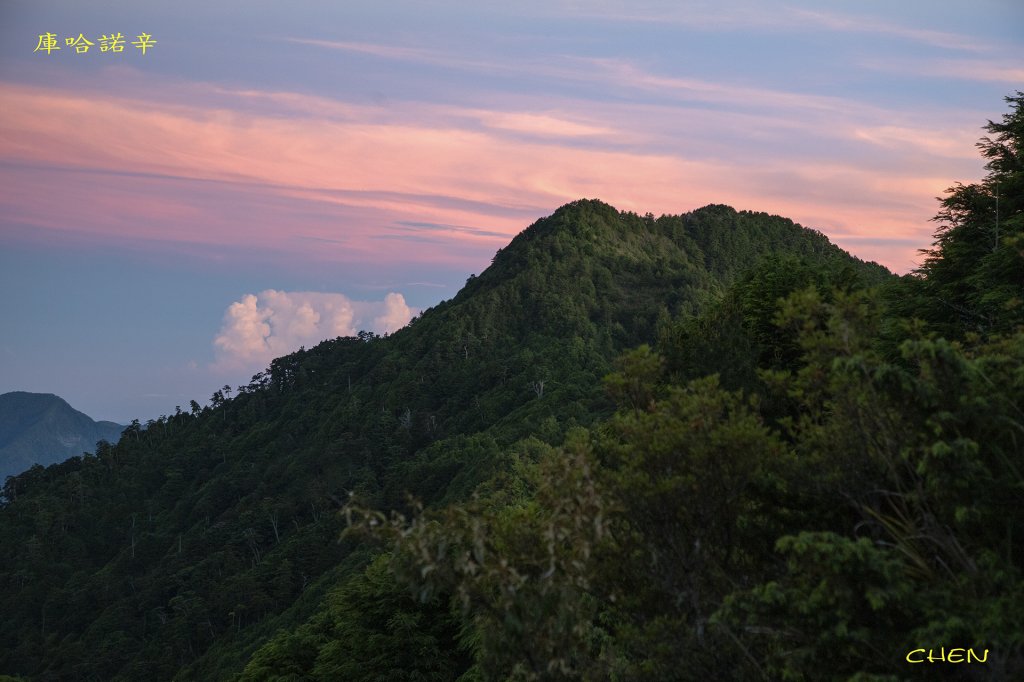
182	548
715	238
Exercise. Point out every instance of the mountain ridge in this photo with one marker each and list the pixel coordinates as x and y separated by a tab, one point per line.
209	529
42	428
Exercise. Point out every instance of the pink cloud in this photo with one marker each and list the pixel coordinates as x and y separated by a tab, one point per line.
335	179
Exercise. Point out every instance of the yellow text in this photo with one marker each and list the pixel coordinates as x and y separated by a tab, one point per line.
954	655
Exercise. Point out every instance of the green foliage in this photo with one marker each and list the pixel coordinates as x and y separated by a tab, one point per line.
693	481
739	333
370	629
532	613
884	516
632	385
925	454
835	612
973	278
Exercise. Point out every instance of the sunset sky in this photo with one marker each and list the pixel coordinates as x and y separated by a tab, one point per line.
272	174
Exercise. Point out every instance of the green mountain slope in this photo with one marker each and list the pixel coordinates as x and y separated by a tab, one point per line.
183	549
808	479
41	428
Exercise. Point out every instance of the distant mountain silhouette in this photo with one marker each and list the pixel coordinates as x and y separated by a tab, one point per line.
41	428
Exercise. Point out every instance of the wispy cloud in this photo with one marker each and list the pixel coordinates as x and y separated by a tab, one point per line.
626	74
432	285
1006	70
317	176
859	24
951	143
374	49
419	55
539	124
605	71
751	17
418	225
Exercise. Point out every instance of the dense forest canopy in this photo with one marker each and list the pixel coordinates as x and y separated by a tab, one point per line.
706	446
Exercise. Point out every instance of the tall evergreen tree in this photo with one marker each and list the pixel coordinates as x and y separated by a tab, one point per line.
974	274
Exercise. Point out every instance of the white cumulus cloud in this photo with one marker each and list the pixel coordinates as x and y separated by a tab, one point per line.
396	314
263	326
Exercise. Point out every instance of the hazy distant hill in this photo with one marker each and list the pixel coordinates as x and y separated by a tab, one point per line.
41	428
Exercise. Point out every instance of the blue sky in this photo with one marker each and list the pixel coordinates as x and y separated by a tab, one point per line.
272	174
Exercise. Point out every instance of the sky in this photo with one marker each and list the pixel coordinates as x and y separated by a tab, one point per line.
257	176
